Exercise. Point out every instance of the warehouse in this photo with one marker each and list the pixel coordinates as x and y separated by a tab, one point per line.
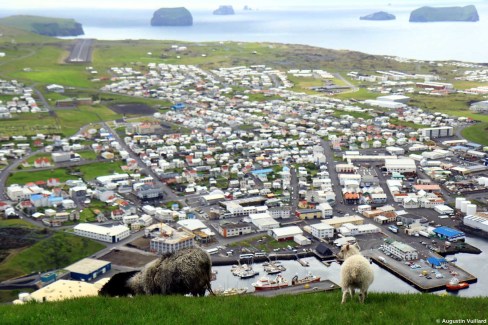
404	165
439	132
449	234
88	269
478	221
338	222
107	234
443	209
285	233
309	214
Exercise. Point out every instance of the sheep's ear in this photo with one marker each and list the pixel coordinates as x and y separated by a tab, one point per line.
357	245
347	247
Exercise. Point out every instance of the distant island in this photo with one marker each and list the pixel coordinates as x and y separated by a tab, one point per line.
224	10
44	25
380	15
431	14
179	16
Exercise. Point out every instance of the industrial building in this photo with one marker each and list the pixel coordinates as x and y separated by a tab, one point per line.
477	221
285	233
438	132
230	229
107	234
306	214
404	165
338	222
401	250
322	230
449	234
88	269
170	240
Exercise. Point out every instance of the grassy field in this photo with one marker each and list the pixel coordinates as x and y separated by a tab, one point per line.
57	251
363	115
23	177
92	171
29	124
7	296
314	308
15	223
72	120
477	133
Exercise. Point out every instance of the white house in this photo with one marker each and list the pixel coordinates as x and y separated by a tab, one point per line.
107	234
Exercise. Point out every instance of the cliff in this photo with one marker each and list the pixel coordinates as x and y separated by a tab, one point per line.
431	14
224	10
44	25
380	15
172	17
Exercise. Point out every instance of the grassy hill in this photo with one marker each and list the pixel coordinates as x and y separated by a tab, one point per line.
56	251
316	308
44	25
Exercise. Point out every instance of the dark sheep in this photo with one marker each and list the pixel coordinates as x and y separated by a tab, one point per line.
187	271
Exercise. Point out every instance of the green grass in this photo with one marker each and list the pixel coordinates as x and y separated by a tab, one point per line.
57	251
363	115
92	171
88	155
408	124
29	124
477	133
42	175
40	25
15	223
314	308
72	120
361	94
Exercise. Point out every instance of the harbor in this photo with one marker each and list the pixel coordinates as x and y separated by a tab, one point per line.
421	274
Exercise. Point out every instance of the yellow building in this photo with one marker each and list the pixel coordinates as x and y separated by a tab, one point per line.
339	222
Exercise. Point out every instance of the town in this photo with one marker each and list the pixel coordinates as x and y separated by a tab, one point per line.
241	156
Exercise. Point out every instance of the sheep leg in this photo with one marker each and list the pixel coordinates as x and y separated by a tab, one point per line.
352	291
344	296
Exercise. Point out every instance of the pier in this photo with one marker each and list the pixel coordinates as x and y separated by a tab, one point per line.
412	276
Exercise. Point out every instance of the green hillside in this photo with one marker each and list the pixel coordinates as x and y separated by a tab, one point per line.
316	308
44	25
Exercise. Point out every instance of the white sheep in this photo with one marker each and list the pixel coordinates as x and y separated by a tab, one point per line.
356	272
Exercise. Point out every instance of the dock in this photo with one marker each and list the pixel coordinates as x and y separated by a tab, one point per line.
412	276
322	286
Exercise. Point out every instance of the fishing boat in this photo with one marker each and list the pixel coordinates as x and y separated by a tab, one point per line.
308	279
454	285
266	283
230	292
274	268
246	274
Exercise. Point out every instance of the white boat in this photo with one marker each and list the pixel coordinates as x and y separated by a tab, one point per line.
246	274
266	283
230	291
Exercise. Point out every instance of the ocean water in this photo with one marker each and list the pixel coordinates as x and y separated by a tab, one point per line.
328	25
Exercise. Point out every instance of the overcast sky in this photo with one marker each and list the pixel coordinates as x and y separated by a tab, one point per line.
154	4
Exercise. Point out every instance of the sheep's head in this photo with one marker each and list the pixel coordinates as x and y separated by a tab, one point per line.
347	251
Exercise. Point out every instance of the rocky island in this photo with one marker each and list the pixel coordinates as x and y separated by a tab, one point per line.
179	16
224	10
380	15
44	25
434	14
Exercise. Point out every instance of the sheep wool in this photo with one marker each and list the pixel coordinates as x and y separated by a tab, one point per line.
356	272
187	271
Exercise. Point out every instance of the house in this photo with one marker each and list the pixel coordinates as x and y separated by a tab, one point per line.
42	162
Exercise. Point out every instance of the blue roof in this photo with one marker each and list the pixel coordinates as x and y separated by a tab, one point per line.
448	232
36	197
436	261
262	171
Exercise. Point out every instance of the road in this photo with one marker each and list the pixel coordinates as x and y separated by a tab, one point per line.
81	51
168	193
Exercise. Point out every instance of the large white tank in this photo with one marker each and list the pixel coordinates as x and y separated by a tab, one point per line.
464	206
482	180
471	209
458	202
